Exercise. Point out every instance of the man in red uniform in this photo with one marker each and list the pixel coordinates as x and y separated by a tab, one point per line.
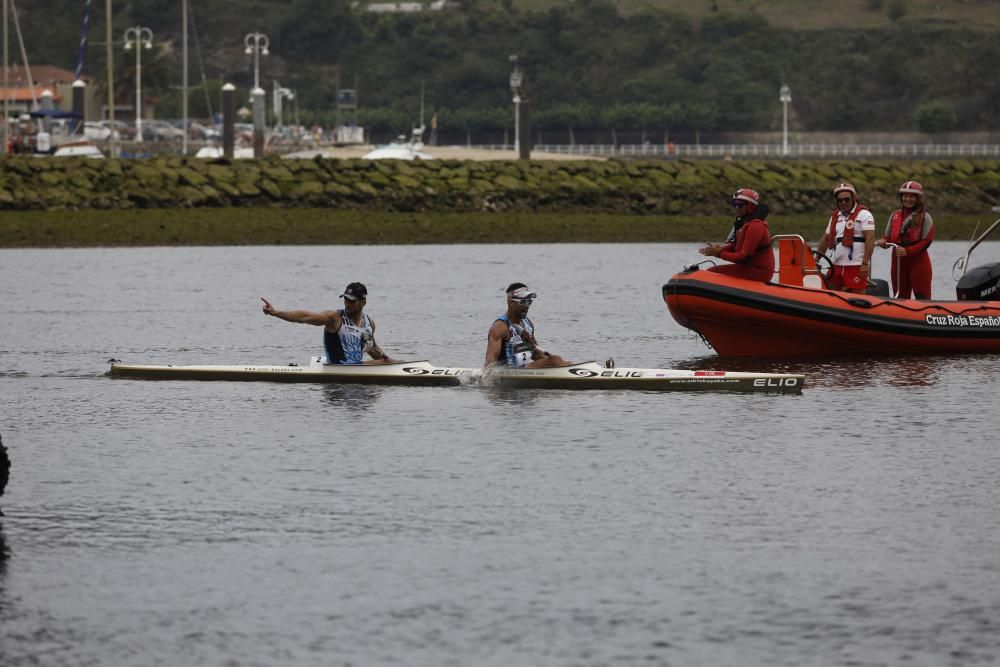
851	234
749	244
911	228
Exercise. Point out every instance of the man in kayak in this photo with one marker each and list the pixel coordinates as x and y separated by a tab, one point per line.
348	333
749	244
851	232
511	340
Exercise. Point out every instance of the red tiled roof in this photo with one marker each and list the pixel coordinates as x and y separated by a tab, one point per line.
23	94
43	75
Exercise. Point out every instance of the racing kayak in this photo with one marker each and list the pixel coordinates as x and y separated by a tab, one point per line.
589	375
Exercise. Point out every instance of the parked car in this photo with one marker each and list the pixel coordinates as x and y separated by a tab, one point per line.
124	130
160	130
96	132
200	132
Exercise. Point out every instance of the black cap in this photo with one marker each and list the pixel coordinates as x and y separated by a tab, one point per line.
355	291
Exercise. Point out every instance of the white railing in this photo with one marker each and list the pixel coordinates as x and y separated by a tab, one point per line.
769	151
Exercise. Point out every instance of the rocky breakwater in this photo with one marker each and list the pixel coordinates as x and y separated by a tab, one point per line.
625	187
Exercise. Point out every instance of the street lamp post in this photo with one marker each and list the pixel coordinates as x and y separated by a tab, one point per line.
785	96
141	38
256	43
516	79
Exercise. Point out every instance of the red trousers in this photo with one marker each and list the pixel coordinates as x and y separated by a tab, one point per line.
915	275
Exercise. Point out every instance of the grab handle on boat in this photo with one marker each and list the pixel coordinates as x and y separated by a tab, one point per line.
691	268
962	263
860	303
891	247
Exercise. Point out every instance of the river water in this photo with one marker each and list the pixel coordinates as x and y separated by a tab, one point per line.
185	523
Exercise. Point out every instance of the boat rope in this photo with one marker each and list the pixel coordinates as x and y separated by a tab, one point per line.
855	299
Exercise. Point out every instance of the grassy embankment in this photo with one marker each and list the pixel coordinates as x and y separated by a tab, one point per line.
288	226
185	201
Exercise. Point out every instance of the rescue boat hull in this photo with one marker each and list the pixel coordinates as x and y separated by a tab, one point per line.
743	318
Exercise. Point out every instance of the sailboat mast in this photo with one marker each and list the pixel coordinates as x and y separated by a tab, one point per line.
6	83
112	145
184	78
24	54
84	29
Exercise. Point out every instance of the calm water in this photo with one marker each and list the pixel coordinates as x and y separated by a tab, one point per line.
179	523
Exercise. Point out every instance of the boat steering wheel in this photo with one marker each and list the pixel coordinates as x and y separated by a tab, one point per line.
823	263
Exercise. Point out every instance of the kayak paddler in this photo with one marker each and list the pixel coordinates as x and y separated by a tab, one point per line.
511	340
348	334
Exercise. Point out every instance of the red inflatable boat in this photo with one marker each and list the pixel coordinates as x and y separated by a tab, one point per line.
797	317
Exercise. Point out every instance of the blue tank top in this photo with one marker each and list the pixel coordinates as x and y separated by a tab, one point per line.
516	352
349	344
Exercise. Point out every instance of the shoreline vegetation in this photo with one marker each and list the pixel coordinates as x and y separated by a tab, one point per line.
312	226
76	202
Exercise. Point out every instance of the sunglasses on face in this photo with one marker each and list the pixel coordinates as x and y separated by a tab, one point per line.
524	302
739	204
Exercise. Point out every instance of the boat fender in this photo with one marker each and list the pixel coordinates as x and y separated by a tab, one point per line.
4	476
860	303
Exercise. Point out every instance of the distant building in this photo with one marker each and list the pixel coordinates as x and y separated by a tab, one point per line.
402	7
25	95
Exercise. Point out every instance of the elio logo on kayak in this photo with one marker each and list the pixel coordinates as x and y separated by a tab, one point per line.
587	373
412	370
776	382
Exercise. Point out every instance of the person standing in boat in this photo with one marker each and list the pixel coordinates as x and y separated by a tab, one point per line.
348	333
911	228
851	234
511	339
749	244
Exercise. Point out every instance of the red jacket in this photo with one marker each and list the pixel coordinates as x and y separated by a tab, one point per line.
752	249
918	235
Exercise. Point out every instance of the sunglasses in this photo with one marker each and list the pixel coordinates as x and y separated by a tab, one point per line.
843	200
739	204
524	302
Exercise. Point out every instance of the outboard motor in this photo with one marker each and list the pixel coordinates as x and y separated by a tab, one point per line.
980	284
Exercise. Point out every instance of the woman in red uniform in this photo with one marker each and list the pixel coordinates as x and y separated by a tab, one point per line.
749	244
911	228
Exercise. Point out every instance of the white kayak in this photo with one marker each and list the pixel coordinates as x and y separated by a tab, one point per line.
589	375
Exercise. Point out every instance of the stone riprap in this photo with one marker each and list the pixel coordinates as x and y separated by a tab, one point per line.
679	187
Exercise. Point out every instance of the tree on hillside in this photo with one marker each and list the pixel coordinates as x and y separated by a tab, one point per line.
936	116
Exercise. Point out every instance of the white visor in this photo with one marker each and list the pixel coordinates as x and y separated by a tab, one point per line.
522	293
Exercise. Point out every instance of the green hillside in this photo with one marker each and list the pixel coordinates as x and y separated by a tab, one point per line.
642	65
